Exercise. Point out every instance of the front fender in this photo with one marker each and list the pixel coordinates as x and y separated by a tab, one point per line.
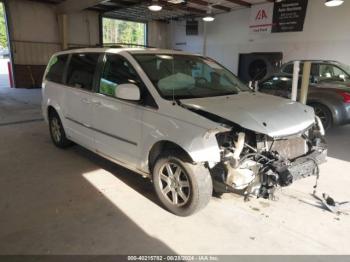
200	143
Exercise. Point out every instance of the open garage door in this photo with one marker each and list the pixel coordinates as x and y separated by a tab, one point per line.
121	31
5	57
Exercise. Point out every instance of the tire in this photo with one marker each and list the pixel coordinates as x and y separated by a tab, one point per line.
192	185
58	136
324	114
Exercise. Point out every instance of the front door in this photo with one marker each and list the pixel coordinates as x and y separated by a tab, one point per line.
117	122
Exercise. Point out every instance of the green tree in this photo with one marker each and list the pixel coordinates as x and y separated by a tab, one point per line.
3	32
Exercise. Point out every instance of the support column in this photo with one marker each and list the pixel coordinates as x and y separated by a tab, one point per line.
63	27
204	38
305	82
296	70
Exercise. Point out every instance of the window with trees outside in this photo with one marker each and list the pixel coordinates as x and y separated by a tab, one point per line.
3	33
121	31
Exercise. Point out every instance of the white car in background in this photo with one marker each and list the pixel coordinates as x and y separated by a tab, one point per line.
182	120
4	53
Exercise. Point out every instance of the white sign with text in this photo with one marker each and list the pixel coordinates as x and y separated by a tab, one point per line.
261	18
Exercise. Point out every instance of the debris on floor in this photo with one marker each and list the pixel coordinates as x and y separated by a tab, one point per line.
331	205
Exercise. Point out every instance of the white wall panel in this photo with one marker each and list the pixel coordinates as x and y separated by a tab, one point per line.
158	35
35	32
28	53
83	28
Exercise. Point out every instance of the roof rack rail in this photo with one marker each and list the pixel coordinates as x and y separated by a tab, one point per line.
121	45
76	47
110	45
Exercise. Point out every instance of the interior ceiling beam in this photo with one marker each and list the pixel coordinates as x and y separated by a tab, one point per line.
240	2
182	7
204	3
125	2
72	6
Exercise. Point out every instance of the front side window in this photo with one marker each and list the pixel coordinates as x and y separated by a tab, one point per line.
55	69
188	76
116	71
81	70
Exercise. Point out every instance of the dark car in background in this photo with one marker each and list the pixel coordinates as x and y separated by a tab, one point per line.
330	100
322	71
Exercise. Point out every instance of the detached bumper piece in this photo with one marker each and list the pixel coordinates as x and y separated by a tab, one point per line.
284	173
307	166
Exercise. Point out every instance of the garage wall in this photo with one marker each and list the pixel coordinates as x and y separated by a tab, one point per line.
35	37
325	36
157	34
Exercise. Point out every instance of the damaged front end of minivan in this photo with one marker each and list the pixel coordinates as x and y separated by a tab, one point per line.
268	142
255	164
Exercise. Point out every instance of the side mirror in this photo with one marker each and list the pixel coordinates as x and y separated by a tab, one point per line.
128	92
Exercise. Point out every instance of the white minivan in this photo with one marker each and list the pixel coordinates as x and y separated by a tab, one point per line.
182	120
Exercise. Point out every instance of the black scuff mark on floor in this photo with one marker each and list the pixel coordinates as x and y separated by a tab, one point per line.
21	122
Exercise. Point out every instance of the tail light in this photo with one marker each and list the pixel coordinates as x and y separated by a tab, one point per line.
346	96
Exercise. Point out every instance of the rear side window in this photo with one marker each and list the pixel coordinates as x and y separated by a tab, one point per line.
81	70
56	69
277	82
288	69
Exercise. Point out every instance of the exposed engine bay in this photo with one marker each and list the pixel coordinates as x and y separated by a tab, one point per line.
255	165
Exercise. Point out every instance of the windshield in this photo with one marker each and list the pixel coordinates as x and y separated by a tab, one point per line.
346	68
187	76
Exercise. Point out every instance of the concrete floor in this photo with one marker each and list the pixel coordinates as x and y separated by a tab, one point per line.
73	202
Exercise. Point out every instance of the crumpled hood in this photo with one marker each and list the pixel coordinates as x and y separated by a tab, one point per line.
265	114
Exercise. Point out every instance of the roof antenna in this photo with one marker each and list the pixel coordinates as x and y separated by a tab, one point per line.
173	66
173	70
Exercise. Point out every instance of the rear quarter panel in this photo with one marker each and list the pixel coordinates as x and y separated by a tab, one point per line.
334	102
53	95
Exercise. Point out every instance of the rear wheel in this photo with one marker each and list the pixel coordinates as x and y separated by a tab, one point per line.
182	187
324	114
58	136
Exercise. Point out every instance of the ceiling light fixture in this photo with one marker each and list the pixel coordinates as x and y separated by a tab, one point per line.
209	17
155	6
333	3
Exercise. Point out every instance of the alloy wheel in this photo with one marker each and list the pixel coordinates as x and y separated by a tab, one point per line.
322	115
56	129
174	184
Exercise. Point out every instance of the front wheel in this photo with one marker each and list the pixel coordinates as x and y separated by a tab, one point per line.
182	187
